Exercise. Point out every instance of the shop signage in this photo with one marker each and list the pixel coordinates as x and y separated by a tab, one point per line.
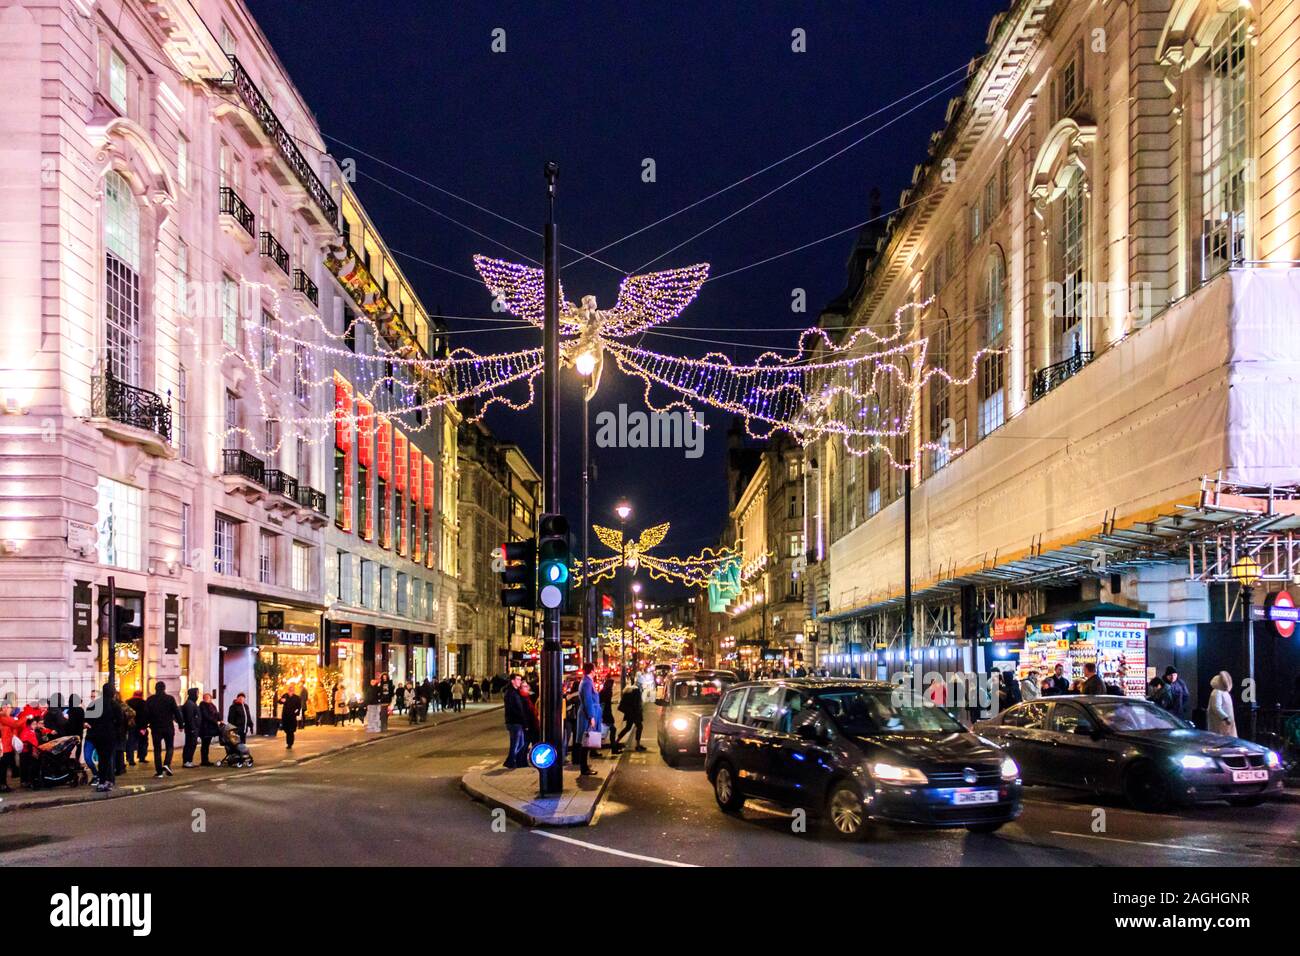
171	623
1280	609
1009	628
82	608
284	638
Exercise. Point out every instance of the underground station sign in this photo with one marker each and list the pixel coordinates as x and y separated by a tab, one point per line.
1280	609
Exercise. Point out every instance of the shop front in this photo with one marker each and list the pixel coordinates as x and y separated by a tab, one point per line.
288	657
1111	636
129	652
424	657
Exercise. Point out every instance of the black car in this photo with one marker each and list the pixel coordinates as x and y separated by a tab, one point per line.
856	751
1131	748
688	701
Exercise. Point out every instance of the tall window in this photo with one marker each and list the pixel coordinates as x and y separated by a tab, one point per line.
182	412
230	311
120	524
117	80
992	393
268	343
122	279
1073	301
301	566
225	545
301	372
940	401
300	460
1225	117
186	543
233	437
995	297
266	557
271	441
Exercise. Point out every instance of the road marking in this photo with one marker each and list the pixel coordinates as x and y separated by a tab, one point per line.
1162	846
610	850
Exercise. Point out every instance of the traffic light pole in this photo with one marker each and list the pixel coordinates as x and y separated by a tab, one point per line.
112	633
552	777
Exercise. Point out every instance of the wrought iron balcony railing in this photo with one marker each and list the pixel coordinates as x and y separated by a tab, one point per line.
236	461
1047	378
302	283
309	497
272	250
234	207
282	483
114	399
248	92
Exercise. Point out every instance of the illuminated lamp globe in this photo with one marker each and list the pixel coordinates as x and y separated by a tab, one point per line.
585	363
1245	571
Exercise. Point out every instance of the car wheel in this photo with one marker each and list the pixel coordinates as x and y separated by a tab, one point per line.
845	814
1146	788
1245	801
726	789
985	827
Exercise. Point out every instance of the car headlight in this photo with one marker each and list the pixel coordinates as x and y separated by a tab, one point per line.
1271	758
889	773
1010	769
681	723
1195	762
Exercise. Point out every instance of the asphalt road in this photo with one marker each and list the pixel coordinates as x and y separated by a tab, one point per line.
398	801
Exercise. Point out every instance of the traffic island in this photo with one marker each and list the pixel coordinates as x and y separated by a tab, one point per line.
515	792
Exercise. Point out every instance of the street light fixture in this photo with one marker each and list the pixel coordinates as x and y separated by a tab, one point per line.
1245	571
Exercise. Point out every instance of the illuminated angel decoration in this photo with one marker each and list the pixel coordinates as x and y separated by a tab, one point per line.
694	570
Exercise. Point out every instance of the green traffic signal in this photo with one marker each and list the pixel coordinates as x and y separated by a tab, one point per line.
553	560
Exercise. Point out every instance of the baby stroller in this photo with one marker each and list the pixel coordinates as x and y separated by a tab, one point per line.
57	763
237	754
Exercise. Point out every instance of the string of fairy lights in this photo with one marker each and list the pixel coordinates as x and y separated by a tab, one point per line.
864	390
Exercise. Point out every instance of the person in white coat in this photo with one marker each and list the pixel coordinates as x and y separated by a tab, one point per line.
1031	687
1219	718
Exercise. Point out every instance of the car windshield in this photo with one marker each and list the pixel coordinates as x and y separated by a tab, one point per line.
1136	715
698	691
865	712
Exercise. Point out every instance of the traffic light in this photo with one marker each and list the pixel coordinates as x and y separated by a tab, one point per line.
519	576
553	561
126	632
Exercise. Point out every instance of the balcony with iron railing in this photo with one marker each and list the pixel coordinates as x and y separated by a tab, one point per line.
243	473
282	483
1049	377
235	212
303	285
239	80
315	503
272	251
146	415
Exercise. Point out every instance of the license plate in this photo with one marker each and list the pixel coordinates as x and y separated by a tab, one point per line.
703	749
1249	776
975	796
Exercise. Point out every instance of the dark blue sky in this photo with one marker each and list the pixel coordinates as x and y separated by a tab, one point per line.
711	92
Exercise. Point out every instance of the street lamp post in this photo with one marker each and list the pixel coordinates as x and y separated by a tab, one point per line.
1245	571
907	565
623	510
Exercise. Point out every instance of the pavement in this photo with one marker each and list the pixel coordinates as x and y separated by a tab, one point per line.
310	743
399	801
515	791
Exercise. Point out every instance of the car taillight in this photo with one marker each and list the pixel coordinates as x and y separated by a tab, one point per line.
708	725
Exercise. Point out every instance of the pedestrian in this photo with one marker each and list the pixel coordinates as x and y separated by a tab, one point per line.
1092	682
485	689
516	717
607	711
9	726
632	707
164	718
105	728
587	724
209	718
139	742
1158	693
190	716
533	728
1056	682
1180	696
240	717
372	707
399	698
75	725
936	695
1219	715
458	695
1009	688
1031	687
385	699
290	708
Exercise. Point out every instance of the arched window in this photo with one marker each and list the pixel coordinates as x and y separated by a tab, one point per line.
121	280
1224	134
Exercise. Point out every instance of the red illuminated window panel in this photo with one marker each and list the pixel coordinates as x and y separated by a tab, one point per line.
343	454
365	464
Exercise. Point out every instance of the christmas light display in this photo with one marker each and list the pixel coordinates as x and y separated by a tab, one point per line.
694	571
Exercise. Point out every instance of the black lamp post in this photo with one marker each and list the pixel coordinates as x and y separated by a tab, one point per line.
1245	571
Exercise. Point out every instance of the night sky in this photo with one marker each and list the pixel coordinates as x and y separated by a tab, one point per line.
711	92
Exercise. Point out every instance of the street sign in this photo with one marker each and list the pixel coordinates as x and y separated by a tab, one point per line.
542	755
1280	609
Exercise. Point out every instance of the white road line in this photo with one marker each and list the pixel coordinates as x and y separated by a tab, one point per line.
610	850
1162	846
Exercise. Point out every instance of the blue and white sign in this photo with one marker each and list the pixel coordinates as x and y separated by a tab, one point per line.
542	755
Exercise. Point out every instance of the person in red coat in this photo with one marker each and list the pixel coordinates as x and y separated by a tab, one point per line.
533	729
